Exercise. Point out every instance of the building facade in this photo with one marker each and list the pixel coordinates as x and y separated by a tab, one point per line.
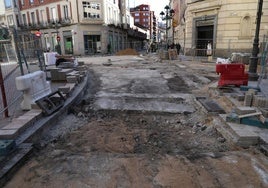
76	27
228	25
145	18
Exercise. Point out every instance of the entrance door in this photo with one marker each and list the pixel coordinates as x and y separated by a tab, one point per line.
68	45
90	47
204	35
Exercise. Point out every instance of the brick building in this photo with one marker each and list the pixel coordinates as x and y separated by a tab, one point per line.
145	18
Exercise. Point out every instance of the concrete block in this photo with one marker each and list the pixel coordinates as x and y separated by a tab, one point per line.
72	79
8	133
34	87
54	73
19	126
264	112
7	146
245	137
259	101
64	89
71	85
37	113
241	110
239	97
81	68
248	99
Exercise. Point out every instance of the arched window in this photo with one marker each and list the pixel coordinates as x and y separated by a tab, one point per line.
245	27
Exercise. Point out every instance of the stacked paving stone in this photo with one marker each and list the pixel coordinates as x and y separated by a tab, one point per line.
10	132
20	124
252	98
249	97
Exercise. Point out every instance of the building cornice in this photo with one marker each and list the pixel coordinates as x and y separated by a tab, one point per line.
211	8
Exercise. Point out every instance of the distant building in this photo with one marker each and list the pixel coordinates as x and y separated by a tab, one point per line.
145	18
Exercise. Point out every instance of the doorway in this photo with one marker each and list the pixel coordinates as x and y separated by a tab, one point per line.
204	35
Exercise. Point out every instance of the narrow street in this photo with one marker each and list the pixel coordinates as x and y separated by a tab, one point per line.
139	125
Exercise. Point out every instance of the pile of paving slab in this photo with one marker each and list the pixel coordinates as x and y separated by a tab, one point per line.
247	123
253	113
68	75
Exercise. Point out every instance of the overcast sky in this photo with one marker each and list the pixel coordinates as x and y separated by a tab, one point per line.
155	5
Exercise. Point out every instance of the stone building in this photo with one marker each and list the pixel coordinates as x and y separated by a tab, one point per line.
228	25
76	27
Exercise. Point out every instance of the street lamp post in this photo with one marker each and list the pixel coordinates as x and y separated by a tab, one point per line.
253	76
167	16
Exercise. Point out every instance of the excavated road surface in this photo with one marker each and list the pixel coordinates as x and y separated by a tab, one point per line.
140	126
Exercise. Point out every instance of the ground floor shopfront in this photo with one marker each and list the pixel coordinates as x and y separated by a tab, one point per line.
87	39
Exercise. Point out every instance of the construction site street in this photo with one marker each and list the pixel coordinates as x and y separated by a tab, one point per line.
140	124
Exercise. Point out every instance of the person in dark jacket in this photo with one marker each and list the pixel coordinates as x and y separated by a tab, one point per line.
178	47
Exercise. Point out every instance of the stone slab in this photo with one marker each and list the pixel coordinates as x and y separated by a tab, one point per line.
20	126
8	133
243	135
242	110
64	89
138	104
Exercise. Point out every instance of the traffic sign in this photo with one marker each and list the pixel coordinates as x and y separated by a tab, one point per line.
38	33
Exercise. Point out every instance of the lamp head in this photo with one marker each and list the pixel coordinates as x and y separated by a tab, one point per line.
167	7
162	14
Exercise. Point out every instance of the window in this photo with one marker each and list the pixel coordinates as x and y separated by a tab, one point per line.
24	19
8	3
91	10
137	14
53	14
245	27
10	20
22	2
33	18
137	20
65	10
42	15
31	1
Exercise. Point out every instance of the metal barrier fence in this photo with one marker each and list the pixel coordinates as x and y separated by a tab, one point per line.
13	63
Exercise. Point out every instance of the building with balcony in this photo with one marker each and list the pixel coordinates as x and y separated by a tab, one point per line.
76	27
145	18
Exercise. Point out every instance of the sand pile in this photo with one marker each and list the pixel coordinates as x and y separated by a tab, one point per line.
128	51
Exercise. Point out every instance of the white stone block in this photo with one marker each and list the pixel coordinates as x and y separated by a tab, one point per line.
34	86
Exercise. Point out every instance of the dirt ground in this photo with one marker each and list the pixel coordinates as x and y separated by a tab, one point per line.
121	148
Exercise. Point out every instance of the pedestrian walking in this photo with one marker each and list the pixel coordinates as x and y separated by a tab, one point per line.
178	47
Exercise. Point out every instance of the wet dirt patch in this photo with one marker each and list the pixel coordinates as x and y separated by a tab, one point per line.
144	133
177	84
